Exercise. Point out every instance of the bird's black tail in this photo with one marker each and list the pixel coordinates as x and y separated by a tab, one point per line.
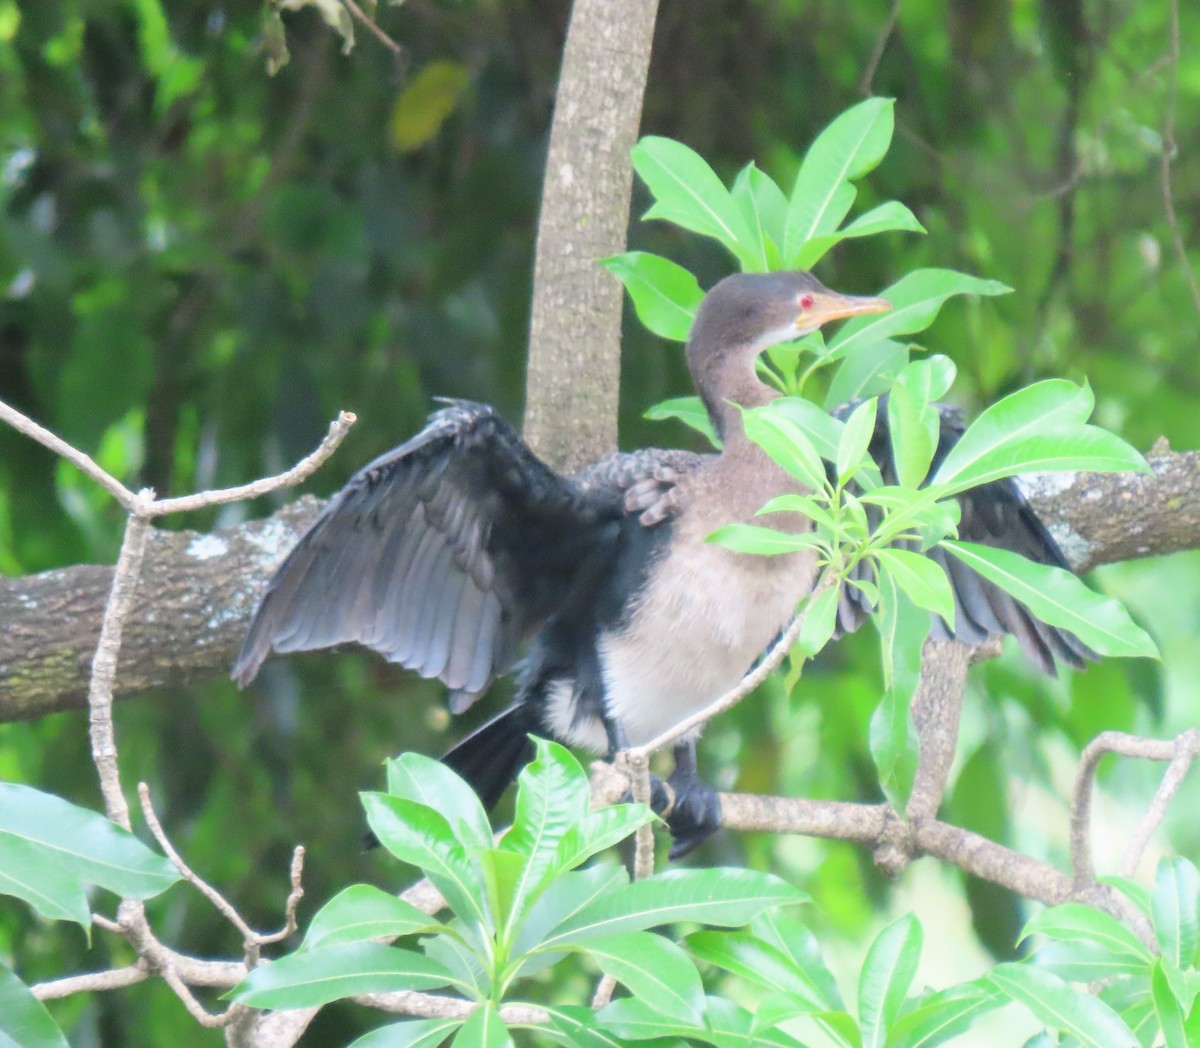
490	757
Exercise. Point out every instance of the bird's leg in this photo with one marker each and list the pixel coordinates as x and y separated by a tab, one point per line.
695	814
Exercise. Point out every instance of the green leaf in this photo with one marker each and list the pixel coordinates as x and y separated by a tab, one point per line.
421	779
652	968
916	299
1134	891
787	444
853	144
1166	1007
914	439
941	1017
749	957
1061	1007
856	437
795	941
84	843
423	837
866	373
816	510
1083	961
929	379
552	797
732	1026
1174	907
484	1029
1058	598
821	428
597	831
922	579
24	1021
820	618
1075	922
764	208
749	538
886	975
688	410
362	912
315	977
33	873
887	217
577	1027
412	1033
633	1019
568	895
665	295
724	897
688	193
892	735
504	874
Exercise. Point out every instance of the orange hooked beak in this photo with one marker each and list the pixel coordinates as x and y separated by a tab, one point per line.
818	308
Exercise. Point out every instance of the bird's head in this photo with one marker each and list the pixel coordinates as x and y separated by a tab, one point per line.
747	313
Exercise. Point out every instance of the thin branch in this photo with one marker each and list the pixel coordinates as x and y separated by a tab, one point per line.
23	424
301	471
866	82
1187	748
434	1006
114	979
1169	148
195	1009
295	876
373	28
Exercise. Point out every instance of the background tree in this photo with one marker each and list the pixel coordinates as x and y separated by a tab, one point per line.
238	257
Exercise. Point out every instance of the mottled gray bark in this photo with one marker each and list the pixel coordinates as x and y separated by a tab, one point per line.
575	322
197	591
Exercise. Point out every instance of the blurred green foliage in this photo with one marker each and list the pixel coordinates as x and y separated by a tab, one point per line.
200	264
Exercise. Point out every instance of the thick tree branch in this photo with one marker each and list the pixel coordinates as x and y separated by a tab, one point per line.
198	591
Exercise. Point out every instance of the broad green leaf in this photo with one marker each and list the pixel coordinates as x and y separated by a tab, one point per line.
820	618
941	1017
426	781
484	1029
568	895
1058	598
923	580
806	505
688	410
856	436
749	538
887	217
314	977
654	969
866	373
632	1019
687	192
764	208
725	897
33	873
892	736
821	428
84	843
421	836
362	912
1092	1022
886	975
1167	1008
552	796
1084	961
796	942
786	442
912	424
732	1026
503	873
665	295
24	1021
847	149
840	1027
1174	906
577	1027
1075	922
749	957
597	831
464	962
916	299
412	1033
1134	891
929	379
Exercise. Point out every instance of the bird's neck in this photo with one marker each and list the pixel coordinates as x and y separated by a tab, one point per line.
727	384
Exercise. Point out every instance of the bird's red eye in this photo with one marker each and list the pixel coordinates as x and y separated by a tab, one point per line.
806	301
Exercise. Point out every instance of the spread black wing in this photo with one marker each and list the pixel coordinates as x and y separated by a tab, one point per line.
441	555
994	514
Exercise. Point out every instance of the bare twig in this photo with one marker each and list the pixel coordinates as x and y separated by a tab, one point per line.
295	878
866	81
434	1006
373	28
114	979
1187	748
1169	147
